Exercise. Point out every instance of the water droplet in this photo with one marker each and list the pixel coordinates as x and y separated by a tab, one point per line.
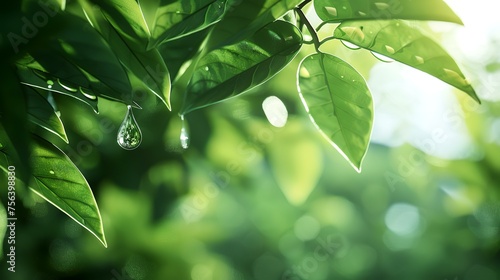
331	10
68	88
389	49
381	6
206	68
361	13
382	58
87	94
456	77
418	60
52	172
275	111
303	73
184	137
342	76
129	134
354	33
350	45
49	83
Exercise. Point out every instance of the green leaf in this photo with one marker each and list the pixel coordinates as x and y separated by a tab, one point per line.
176	53
398	40
88	51
245	18
181	18
42	80
79	56
234	69
339	103
147	66
14	132
46	61
41	113
57	180
127	19
341	10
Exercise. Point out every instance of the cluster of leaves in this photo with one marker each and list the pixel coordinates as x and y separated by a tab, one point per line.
218	49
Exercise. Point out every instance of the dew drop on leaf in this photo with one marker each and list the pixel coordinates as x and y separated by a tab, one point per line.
304	73
455	76
49	83
184	137
381	6
418	60
350	45
331	10
354	33
87	94
66	87
275	111
389	49
382	58
129	134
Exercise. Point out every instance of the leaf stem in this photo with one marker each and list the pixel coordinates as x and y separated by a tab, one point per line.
303	4
327	39
311	29
321	25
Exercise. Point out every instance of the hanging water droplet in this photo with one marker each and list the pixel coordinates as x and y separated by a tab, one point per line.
129	134
275	111
49	83
87	94
350	45
382	58
331	10
184	137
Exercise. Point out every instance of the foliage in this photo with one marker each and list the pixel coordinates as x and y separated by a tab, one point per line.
95	50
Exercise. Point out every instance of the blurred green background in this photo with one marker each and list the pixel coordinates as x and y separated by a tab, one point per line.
251	201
